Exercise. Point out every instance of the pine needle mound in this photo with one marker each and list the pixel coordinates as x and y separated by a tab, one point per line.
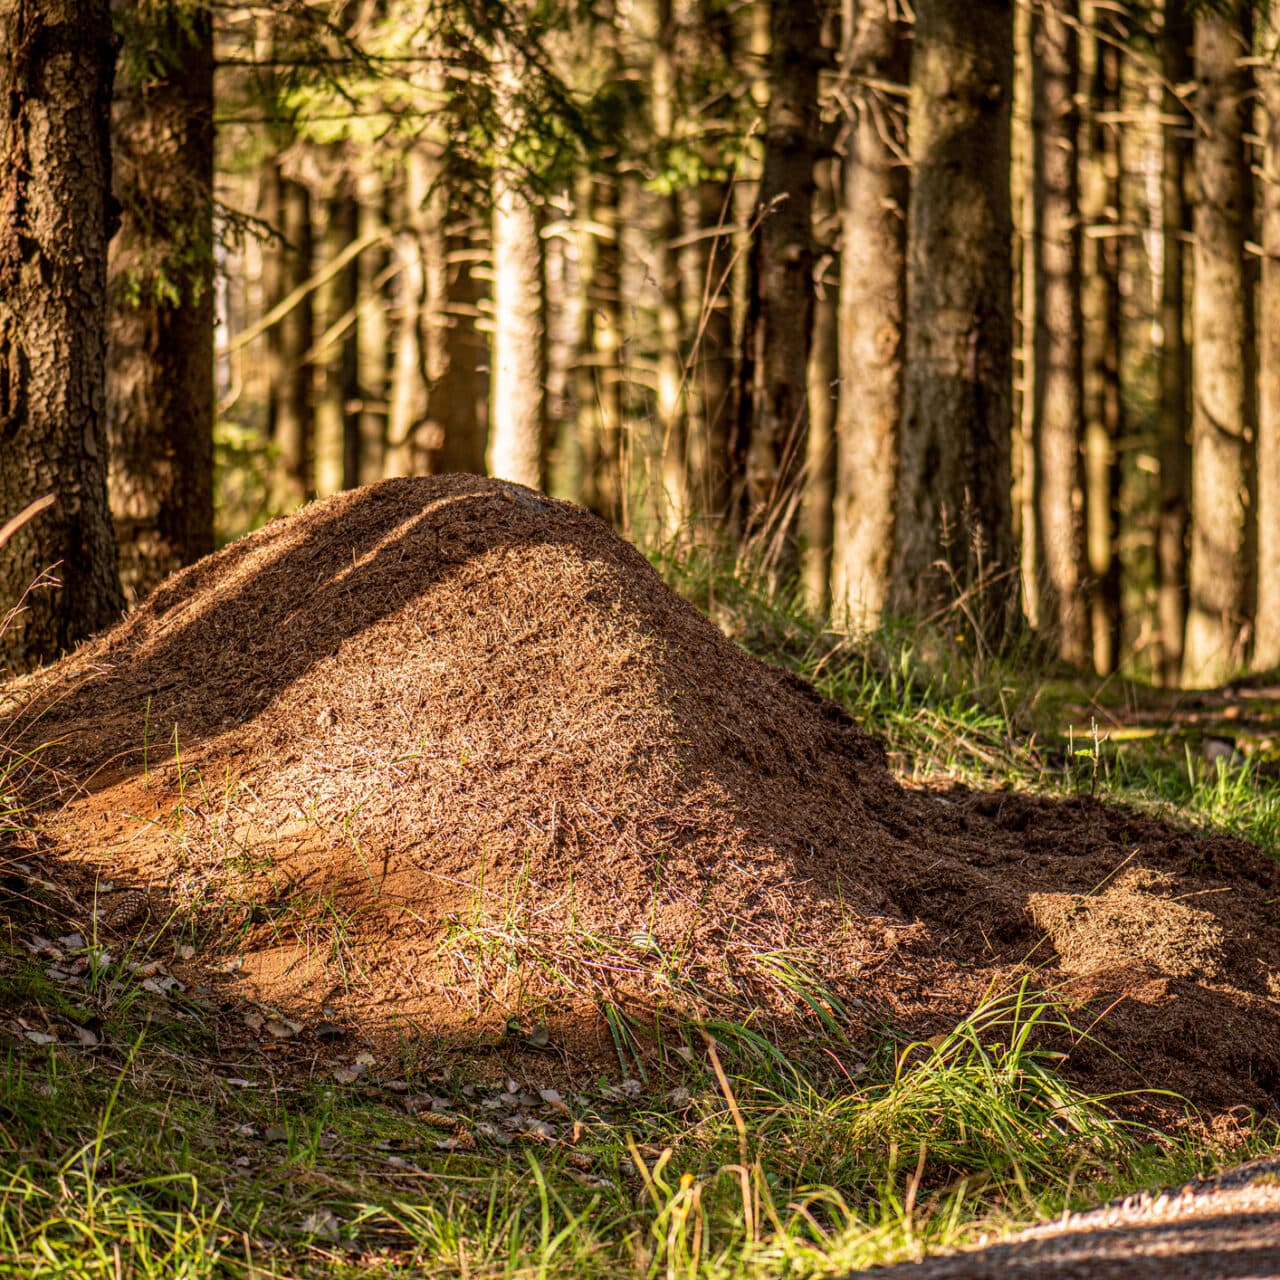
461	754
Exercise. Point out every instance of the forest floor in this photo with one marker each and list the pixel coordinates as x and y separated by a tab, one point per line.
418	885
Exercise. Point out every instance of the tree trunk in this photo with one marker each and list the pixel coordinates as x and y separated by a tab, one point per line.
160	291
872	294
954	498
56	63
1266	653
516	426
780	301
599	376
293	425
464	387
1175	380
411	438
337	387
372	337
1221	607
1101	200
1057	422
822	392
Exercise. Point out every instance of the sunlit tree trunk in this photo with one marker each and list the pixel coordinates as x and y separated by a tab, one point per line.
160	289
372	335
780	300
1220	572
954	502
1175	380
872	287
1057	425
517	426
1267	640
56	60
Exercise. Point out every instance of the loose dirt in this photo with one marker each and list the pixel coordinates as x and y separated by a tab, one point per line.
1224	1228
442	753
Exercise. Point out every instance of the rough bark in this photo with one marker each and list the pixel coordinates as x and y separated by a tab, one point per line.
1220	606
160	291
1057	420
1266	654
780	302
56	64
872	296
1175	355
516	426
954	495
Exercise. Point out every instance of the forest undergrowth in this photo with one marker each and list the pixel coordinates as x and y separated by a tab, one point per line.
134	1143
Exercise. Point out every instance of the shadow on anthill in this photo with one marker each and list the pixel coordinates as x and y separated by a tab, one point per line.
445	759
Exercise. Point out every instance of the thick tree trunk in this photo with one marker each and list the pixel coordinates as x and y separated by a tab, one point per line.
56	62
1101	201
1266	652
516	418
1175	373
1057	421
1221	605
872	296
780	302
160	290
954	496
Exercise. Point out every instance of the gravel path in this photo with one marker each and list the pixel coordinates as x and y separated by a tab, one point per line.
1228	1226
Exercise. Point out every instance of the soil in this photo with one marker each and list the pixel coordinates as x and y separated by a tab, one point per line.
1224	1228
444	755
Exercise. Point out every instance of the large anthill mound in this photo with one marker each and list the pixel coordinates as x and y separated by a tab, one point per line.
468	755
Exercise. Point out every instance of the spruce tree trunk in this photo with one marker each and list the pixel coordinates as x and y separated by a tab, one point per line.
160	291
872	297
335	355
293	417
1221	605
1101	207
780	300
1267	639
516	416
416	428
954	501
56	64
817	512
1175	374
372	335
1057	420
464	388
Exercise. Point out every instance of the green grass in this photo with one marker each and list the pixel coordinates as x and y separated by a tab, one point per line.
709	1151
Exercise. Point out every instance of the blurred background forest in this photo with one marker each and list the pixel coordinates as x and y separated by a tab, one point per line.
909	309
